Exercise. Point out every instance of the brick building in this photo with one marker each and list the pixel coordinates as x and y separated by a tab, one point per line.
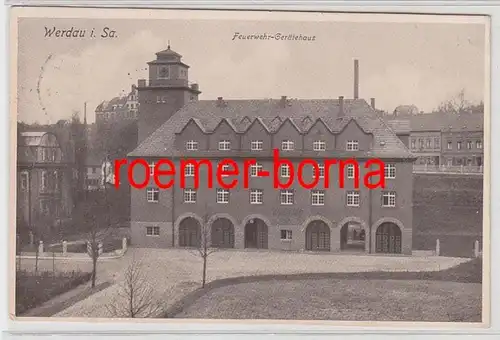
180	126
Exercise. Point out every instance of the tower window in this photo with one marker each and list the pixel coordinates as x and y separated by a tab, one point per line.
161	99
163	72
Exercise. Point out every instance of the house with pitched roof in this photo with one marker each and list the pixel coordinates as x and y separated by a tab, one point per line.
329	219
443	139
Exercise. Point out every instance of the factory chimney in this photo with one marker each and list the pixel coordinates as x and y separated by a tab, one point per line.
356	79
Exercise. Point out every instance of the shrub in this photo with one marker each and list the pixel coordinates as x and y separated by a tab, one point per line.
34	289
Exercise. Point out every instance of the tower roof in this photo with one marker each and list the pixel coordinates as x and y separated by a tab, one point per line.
168	52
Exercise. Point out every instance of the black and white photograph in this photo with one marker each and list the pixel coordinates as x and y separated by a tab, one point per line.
231	165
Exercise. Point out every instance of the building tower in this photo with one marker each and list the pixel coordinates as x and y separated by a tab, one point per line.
164	93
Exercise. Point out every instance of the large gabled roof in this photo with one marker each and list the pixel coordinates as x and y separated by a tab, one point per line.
272	113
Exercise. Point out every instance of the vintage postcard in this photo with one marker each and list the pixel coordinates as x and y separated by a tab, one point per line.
213	165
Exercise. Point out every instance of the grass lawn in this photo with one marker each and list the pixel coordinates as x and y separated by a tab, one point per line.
337	299
452	295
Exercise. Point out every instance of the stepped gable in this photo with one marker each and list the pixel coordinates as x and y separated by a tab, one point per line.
303	114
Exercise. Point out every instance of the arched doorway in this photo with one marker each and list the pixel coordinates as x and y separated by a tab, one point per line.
189	233
388	238
222	233
352	237
256	234
318	236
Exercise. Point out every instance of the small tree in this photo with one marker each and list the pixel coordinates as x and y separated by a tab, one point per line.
205	249
136	297
92	216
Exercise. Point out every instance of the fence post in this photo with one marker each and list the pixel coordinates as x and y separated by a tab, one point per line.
476	248
32	238
461	168
54	264
64	247
124	244
40	248
99	248
438	247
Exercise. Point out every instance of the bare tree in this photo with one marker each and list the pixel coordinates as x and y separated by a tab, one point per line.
92	215
205	247
96	236
456	105
136	296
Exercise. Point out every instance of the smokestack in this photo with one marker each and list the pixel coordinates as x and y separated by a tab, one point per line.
341	106
356	79
372	102
283	101
220	102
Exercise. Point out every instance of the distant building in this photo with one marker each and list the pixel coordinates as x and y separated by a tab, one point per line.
405	110
443	139
93	178
118	108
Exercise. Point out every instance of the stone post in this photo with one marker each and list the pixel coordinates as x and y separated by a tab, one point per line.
476	248
438	247
40	248
124	244
99	248
64	247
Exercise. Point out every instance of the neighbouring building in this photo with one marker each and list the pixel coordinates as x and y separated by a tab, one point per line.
179	126
462	140
42	180
443	139
93	178
118	109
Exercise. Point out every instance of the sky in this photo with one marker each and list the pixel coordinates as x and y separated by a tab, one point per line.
401	63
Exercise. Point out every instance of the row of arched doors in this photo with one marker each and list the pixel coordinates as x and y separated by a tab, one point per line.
352	236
